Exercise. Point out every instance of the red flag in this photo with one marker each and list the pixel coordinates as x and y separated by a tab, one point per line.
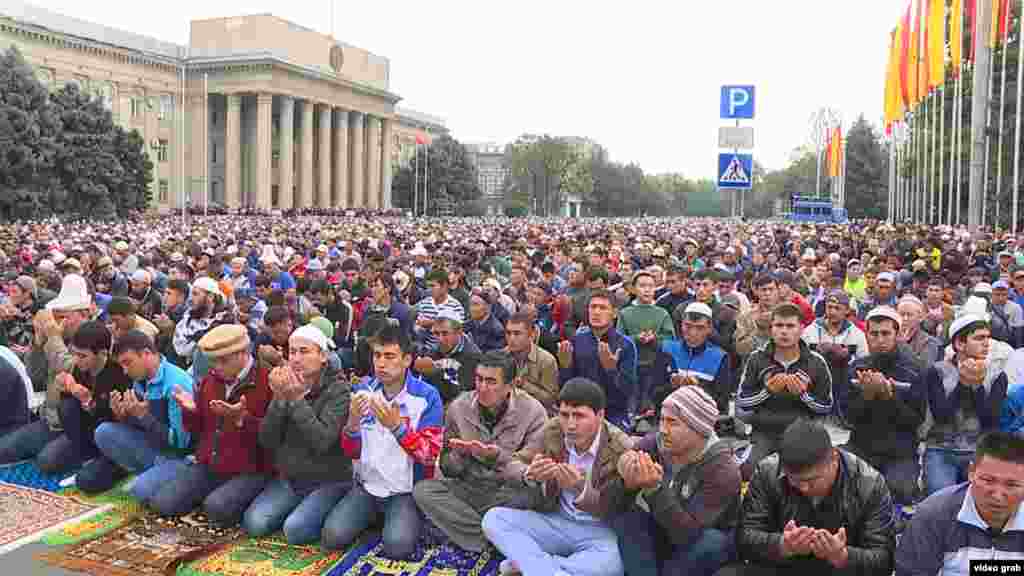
420	139
1004	20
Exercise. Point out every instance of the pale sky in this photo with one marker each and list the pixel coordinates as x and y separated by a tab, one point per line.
642	77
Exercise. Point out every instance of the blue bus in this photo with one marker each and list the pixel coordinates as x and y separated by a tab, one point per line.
812	209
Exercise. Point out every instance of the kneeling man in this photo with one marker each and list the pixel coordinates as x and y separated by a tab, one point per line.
576	488
483	430
685	482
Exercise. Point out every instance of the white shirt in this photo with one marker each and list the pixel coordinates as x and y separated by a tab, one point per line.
585	464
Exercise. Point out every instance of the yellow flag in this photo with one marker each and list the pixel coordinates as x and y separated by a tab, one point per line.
936	43
993	38
893	100
956	19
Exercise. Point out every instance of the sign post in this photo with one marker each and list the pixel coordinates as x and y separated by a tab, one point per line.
736	170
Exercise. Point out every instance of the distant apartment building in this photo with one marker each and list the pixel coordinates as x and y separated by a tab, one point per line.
492	173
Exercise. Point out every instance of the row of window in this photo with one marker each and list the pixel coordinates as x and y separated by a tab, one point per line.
137	105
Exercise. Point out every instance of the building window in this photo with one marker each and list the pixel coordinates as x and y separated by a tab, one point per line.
275	192
213	117
164	188
213	153
275	158
166	106
161	150
135	105
213	191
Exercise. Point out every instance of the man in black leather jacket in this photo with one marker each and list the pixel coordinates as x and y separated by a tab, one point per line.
814	509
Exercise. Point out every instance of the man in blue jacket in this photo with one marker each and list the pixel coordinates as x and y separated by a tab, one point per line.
148	429
977	520
602	354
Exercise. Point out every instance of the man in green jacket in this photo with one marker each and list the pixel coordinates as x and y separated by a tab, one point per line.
648	325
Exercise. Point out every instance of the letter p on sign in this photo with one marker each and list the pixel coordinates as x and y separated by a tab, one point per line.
737	102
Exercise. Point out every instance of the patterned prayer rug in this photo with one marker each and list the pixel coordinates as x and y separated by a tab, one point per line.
365	559
121	509
24	512
263	557
28	474
146	546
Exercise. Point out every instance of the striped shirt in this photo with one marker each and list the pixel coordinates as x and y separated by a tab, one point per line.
429	310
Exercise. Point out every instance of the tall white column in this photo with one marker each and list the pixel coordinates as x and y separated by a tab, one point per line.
340	148
286	158
305	198
356	143
324	158
232	152
372	162
264	107
387	148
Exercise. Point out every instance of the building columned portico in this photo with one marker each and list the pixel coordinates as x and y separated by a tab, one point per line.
255	111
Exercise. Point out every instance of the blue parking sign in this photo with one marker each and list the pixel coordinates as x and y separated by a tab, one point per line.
737	102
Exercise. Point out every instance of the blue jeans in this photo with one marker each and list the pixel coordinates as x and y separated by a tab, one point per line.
26	442
123	449
224	498
300	513
553	543
359	509
648	550
944	467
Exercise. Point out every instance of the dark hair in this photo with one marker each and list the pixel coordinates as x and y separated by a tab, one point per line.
787	310
520	317
319	286
582	392
439	275
499	359
92	336
1001	446
804	443
597	273
121	306
677	270
763	279
640	275
275	315
547	267
387	278
134	341
178	285
392	334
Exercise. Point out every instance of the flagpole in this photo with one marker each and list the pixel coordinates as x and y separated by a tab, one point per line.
953	135
988	139
1016	132
1002	116
925	130
959	142
942	150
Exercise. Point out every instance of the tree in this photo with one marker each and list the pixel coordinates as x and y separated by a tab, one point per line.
28	128
451	178
61	152
547	168
867	169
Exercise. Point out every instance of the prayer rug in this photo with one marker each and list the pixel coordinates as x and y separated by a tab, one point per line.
146	546
27	474
25	512
121	509
365	559
263	557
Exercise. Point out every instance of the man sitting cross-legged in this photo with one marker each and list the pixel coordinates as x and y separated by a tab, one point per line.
394	433
148	428
685	483
225	415
483	430
575	489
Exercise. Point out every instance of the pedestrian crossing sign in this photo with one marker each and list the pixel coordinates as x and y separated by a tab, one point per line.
734	170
